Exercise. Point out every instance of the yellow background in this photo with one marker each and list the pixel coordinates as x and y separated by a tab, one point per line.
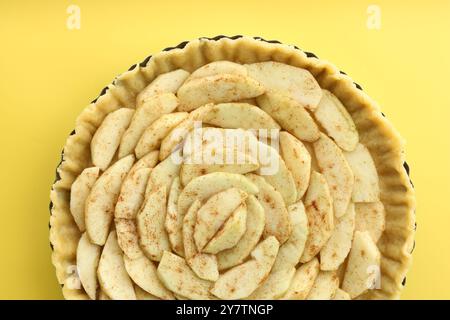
49	73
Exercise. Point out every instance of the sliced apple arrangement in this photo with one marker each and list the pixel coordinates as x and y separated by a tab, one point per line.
157	226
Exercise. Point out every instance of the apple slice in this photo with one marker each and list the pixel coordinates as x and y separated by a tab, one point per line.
336	121
365	188
163	174
99	209
303	281
336	171
319	210
239	115
176	276
208	150
230	232
290	114
106	139
103	296
277	217
88	255
341	270
208	145
217	88
147	162
144	295
164	83
192	171
291	251
174	220
143	272
146	113
275	286
251	101
79	192
204	265
341	295
276	173
111	271
188	229
209	135
298	161
175	138
154	134
203	187
370	217
213	214
254	228
310	148
218	67
335	251
240	281
150	224
363	268
132	194
325	286
297	83
127	238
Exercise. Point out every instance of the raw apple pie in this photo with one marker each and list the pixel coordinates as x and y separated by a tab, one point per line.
232	168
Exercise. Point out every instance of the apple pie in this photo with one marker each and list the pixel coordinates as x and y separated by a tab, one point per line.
232	168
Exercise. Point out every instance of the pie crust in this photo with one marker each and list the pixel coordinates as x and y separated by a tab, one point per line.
386	147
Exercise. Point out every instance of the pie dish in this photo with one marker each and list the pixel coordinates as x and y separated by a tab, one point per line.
232	168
